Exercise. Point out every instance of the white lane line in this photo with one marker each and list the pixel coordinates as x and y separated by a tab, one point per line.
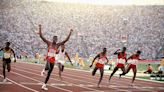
75	84
144	81
40	81
56	79
21	85
5	83
124	76
27	83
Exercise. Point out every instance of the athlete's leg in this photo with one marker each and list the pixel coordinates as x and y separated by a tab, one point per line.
49	72
4	67
48	75
46	68
8	67
8	62
94	71
115	69
101	75
134	71
60	69
124	71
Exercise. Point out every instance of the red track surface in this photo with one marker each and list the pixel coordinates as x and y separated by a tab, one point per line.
26	78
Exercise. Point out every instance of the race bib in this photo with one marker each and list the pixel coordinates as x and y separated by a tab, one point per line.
7	55
51	53
102	61
122	61
131	61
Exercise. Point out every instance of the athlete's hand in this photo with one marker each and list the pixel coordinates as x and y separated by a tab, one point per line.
40	27
71	64
71	30
14	60
118	49
106	63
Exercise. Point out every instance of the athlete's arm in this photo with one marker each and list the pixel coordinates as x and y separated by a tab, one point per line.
94	60
131	57
107	60
68	57
14	55
63	42
41	36
115	53
1	49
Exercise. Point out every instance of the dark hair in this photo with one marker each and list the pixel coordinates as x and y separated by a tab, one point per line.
138	52
7	43
124	48
104	48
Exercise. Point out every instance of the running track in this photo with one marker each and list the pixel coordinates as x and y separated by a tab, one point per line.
26	78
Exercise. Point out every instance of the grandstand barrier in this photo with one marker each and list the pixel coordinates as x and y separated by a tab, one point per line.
157	77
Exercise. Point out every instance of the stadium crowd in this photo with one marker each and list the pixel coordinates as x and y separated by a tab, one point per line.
136	27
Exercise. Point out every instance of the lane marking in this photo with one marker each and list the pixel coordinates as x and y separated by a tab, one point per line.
68	82
26	83
37	81
57	79
20	85
6	83
142	80
40	81
102	85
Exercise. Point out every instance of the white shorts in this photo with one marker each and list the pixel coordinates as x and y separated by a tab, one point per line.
61	62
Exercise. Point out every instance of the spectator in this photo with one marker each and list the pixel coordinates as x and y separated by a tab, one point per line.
160	69
149	69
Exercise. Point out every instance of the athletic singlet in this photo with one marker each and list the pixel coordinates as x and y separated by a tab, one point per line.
101	61
7	53
61	56
121	58
133	59
51	54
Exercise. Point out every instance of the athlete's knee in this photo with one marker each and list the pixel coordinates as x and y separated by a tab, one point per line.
93	73
8	69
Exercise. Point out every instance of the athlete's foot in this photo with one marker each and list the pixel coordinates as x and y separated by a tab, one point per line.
44	87
109	80
119	76
98	86
4	80
132	85
61	78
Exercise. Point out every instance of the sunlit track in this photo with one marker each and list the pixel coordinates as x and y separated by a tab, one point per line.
115	83
93	83
30	89
87	75
123	84
38	74
74	81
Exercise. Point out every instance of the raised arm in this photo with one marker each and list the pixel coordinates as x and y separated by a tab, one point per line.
41	36
94	60
68	57
63	42
129	58
116	52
